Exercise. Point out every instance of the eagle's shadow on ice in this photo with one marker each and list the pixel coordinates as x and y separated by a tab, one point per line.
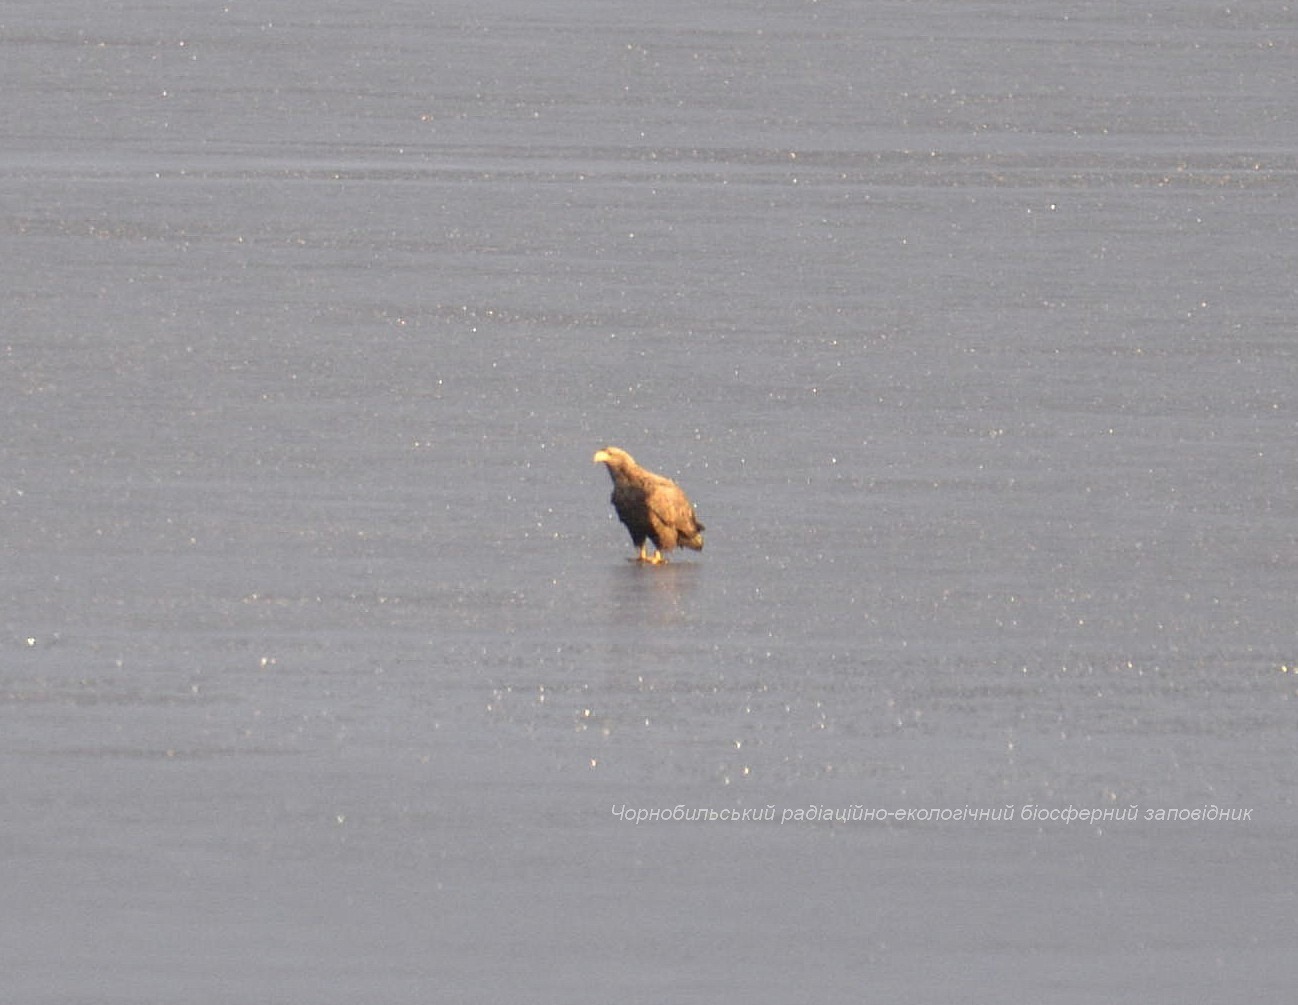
641	593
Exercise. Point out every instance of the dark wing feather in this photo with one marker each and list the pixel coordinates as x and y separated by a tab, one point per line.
630	503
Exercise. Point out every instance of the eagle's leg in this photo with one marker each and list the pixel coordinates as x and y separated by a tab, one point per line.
656	558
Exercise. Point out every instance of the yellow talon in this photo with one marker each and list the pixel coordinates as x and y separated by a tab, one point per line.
657	558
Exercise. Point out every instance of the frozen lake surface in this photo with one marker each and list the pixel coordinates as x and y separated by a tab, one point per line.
969	328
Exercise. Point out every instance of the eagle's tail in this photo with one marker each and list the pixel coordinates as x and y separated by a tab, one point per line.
694	539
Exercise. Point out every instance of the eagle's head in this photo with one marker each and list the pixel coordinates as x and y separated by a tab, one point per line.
614	457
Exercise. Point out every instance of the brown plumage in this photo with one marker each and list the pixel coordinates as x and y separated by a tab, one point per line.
651	506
